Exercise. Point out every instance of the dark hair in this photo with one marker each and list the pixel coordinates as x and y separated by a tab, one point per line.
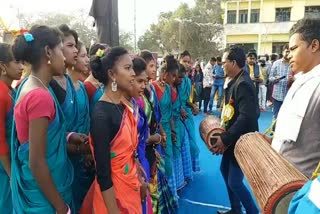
267	57
274	57
139	65
252	53
286	47
170	64
80	45
237	54
95	47
182	69
199	67
219	59
100	66
6	54
213	59
185	53
147	56
308	29
33	51
68	32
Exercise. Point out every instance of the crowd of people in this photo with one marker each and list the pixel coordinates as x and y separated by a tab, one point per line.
98	132
93	132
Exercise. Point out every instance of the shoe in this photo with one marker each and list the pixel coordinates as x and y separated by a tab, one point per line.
225	212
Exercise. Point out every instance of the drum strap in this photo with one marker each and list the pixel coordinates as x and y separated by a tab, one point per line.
316	173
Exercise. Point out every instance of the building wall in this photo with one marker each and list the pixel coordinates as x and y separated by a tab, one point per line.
267	31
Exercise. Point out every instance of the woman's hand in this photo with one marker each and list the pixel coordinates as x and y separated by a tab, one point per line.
78	138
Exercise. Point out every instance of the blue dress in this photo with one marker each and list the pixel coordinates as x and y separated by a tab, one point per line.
184	91
26	195
76	111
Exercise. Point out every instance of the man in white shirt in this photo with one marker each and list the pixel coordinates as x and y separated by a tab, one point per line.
297	134
208	82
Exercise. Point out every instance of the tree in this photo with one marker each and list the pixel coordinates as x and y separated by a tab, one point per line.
125	40
79	21
197	29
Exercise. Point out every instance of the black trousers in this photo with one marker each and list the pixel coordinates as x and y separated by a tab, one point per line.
206	98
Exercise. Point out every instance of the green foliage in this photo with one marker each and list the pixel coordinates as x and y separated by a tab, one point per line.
79	21
197	29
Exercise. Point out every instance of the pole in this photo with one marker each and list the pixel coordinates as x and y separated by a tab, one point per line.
135	26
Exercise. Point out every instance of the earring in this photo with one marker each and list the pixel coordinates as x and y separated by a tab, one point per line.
49	62
72	68
114	86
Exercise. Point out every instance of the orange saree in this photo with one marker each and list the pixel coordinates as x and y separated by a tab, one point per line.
124	172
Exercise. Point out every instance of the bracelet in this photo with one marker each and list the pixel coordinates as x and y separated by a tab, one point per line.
69	135
160	138
69	211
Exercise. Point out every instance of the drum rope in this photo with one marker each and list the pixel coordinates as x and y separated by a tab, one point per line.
316	172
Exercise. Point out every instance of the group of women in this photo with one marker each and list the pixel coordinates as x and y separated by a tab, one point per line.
113	140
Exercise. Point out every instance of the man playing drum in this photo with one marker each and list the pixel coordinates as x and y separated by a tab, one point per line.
297	134
239	116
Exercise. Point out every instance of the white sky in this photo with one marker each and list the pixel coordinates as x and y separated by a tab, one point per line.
147	10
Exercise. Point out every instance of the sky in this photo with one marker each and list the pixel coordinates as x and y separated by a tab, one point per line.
147	11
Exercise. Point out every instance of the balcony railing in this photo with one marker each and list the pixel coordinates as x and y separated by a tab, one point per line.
258	28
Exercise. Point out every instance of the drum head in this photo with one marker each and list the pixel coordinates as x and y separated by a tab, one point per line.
282	206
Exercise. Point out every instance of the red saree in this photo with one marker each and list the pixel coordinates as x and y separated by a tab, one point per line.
124	172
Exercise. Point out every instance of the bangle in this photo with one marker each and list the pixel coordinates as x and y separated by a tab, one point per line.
69	211
160	138
69	135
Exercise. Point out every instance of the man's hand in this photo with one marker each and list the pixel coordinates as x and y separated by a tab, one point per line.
195	110
218	148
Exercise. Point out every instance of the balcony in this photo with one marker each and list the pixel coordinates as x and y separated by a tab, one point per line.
258	28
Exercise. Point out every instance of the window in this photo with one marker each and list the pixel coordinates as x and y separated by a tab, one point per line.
277	47
243	16
283	14
312	12
232	16
255	15
245	46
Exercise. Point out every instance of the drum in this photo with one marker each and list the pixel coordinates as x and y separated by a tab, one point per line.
273	180
209	127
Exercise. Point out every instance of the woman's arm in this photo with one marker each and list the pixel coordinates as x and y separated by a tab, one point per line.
4	148
38	163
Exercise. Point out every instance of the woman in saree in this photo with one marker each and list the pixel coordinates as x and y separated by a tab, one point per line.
10	70
41	174
187	111
74	102
163	91
139	85
179	134
198	86
93	87
114	137
162	197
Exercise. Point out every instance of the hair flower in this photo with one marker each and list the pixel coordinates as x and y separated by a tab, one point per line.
100	53
28	37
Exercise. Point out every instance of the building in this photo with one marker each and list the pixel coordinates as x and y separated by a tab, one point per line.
264	25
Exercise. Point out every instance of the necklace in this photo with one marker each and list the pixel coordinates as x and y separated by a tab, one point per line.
39	80
62	82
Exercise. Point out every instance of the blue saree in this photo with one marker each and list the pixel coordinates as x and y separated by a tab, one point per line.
83	177
26	195
5	190
97	95
179	129
184	91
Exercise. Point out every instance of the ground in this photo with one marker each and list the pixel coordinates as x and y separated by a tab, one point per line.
207	192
